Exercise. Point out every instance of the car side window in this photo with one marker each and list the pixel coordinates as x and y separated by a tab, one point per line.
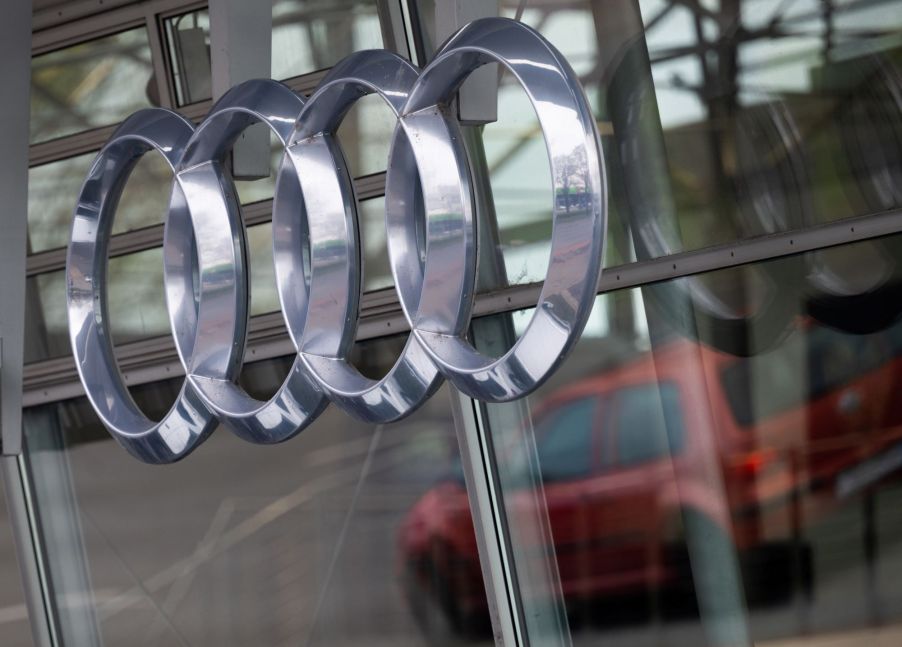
649	423
836	359
564	441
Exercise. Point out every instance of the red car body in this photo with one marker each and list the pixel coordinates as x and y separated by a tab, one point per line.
756	463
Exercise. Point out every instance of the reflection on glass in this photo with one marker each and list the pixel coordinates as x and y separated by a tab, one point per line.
300	549
53	189
718	121
137	307
315	34
365	135
91	84
15	625
698	496
307	35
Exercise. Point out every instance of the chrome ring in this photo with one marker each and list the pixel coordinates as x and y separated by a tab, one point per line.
438	308
189	421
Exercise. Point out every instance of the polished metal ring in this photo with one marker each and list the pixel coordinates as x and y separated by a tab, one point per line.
438	307
189	421
432	243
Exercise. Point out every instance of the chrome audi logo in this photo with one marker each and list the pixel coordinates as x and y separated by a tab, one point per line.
315	246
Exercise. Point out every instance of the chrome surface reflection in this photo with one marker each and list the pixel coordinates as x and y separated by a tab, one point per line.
432	242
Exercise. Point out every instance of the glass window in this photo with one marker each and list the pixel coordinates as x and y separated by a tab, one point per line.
307	35
92	84
135	296
565	439
347	534
719	121
649	423
765	458
53	190
188	41
137	307
364	136
376	268
13	612
834	360
310	35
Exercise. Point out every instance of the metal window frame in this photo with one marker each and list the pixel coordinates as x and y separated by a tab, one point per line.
152	359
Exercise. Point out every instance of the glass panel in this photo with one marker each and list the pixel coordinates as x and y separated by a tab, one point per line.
307	35
720	121
188	42
315	34
53	190
649	423
376	268
564	441
711	478
364	135
91	84
264	294
14	625
321	541
135	297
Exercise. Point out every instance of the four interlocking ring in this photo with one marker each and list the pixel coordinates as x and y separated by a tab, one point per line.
432	241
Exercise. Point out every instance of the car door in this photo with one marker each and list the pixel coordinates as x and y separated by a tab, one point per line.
566	442
630	503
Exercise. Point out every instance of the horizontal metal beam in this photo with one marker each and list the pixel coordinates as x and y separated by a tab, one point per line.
74	21
380	315
89	141
136	240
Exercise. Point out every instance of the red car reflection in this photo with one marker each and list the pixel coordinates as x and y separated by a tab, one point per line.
746	449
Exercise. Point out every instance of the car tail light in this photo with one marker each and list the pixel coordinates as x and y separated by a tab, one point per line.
753	463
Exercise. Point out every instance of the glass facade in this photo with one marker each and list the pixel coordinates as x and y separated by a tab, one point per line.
312	541
716	463
92	84
699	496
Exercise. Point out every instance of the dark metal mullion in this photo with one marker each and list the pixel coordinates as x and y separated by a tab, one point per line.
159	55
136	240
70	23
42	615
482	482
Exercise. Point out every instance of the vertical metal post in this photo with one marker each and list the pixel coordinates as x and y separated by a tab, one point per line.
240	50
391	20
477	99
41	614
15	79
487	507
